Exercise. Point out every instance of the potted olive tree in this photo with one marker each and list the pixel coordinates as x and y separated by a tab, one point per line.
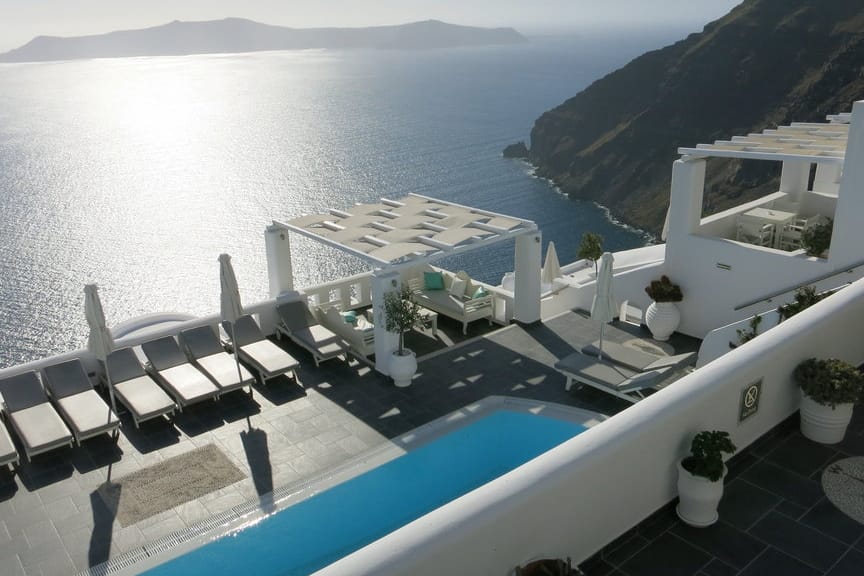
591	248
402	314
662	316
700	477
829	390
817	239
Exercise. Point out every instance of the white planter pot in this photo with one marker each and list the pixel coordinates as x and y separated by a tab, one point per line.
698	498
403	368
662	318
824	424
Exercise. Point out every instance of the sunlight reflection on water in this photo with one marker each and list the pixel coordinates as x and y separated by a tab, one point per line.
137	173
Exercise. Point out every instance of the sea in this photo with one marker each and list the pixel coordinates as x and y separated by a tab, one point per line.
136	173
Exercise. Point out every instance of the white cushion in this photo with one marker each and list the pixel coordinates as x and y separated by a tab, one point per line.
457	288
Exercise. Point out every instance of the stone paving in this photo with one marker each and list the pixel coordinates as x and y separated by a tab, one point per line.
53	522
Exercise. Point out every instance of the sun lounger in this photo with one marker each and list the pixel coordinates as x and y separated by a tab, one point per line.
86	413
183	381
135	389
616	380
8	454
34	420
636	359
203	347
268	359
298	325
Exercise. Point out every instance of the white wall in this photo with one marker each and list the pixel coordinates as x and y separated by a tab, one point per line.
581	495
711	293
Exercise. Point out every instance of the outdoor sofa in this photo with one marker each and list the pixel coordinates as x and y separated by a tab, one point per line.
360	335
451	295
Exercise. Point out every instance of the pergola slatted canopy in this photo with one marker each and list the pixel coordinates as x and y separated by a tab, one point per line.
413	229
800	141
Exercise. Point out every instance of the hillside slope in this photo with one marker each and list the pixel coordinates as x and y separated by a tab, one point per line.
767	62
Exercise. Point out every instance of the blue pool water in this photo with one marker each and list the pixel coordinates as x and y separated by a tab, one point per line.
318	531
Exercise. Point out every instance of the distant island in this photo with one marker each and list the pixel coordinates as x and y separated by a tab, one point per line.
240	35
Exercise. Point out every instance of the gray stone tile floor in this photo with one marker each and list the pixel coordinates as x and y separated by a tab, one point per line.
53	522
775	519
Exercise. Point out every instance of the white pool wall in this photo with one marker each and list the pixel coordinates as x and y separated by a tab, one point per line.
583	494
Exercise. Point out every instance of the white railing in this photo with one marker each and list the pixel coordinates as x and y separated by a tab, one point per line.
583	494
349	293
716	342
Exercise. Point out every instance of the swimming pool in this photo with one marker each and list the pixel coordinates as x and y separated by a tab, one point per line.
329	525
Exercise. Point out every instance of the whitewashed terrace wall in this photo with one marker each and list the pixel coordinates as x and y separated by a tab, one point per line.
754	272
581	495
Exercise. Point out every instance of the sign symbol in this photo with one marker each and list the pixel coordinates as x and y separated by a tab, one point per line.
751	396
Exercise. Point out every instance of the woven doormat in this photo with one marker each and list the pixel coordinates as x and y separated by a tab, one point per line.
843	482
168	484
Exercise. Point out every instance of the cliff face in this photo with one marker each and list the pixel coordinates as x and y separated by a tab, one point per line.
767	62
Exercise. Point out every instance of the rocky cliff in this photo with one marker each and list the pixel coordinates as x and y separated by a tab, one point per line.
767	62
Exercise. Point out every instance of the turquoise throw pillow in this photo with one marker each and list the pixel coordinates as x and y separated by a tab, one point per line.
480	293
350	317
433	281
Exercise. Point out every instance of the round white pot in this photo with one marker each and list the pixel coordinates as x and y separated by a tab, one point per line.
403	368
662	318
698	498
824	424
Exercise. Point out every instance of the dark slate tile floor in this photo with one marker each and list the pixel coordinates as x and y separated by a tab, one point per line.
775	520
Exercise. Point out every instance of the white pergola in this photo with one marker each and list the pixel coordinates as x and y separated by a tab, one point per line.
408	232
799	142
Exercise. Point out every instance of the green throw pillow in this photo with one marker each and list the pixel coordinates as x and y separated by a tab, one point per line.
480	292
433	281
350	317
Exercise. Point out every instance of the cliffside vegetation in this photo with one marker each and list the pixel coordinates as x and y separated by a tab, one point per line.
767	62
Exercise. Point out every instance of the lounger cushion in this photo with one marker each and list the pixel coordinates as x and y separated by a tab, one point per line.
7	449
123	364
143	397
269	357
620	354
636	359
222	369
325	342
584	367
67	379
22	391
40	428
201	341
672	361
87	413
187	383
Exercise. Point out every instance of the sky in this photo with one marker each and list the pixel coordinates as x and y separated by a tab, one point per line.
22	20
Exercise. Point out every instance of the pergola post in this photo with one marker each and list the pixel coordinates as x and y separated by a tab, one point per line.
279	270
383	281
794	179
527	261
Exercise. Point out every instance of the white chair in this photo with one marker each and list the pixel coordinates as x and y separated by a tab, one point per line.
790	235
755	233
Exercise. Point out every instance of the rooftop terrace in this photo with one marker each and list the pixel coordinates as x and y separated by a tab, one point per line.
53	521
